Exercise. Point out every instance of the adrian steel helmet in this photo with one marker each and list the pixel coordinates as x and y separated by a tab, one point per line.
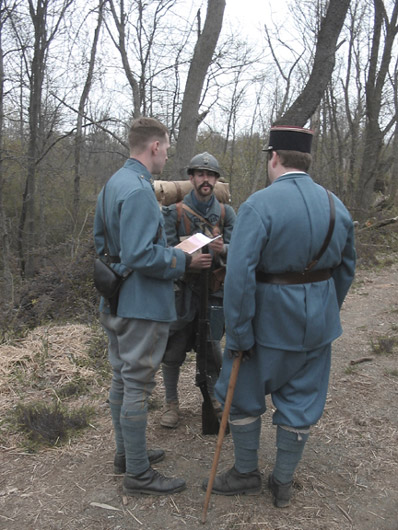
204	161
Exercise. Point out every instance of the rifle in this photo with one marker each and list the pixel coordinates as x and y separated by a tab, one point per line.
210	421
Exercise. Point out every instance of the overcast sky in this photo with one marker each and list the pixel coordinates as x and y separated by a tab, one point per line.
251	15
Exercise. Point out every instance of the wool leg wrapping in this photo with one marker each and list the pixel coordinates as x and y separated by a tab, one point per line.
246	439
115	404
290	445
133	424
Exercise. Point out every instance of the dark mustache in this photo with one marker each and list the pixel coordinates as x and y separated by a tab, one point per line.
206	184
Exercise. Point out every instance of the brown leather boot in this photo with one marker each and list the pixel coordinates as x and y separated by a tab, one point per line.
170	416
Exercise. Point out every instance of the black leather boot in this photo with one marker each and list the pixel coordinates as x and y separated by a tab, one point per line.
234	483
119	464
151	482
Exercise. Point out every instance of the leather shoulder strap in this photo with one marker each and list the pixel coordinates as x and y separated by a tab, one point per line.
205	221
328	235
222	216
180	214
189	209
106	249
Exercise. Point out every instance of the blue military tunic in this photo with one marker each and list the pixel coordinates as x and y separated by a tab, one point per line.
135	228
176	229
280	229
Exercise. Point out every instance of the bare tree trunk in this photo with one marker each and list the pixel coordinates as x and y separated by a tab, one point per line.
26	230
5	242
394	170
121	45
190	118
146	28
306	103
378	70
79	123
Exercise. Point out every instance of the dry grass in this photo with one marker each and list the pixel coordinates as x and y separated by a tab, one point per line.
48	357
41	372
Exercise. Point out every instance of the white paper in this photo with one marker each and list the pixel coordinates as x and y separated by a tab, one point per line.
195	242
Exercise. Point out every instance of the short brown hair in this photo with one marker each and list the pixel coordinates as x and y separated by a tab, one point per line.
144	130
295	159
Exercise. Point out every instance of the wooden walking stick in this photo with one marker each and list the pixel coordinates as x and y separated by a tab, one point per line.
227	406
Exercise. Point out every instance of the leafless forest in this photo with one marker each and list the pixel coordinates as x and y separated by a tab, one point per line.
73	74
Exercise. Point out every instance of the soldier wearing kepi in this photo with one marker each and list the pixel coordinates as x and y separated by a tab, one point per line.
291	262
134	233
200	211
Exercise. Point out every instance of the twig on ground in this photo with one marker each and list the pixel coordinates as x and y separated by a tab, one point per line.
361	360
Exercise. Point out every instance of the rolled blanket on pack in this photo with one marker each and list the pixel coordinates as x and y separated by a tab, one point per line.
172	191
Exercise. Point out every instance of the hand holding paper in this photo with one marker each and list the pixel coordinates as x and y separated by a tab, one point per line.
195	242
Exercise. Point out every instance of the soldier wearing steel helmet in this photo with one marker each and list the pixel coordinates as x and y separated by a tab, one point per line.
200	211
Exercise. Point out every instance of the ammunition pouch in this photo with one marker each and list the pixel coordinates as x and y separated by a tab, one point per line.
108	282
216	279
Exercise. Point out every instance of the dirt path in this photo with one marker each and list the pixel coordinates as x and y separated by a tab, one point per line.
348	478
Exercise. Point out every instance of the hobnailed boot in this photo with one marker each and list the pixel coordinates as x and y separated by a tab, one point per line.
170	416
119	463
151	482
282	492
234	483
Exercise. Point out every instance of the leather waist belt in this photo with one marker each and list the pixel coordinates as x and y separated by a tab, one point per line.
291	278
114	259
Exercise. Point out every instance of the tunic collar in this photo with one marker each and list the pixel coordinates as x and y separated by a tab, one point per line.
133	163
291	174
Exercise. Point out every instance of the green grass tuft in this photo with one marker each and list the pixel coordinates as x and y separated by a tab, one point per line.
384	345
50	425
